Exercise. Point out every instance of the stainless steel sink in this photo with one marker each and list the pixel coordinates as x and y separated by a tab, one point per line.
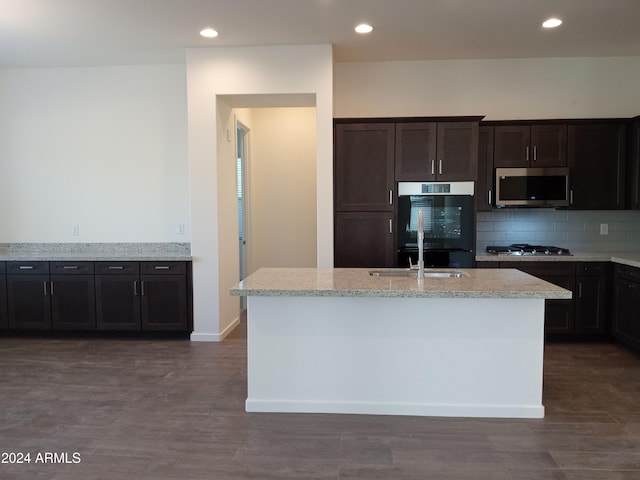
405	272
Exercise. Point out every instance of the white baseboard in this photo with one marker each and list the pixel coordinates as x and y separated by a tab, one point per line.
215	337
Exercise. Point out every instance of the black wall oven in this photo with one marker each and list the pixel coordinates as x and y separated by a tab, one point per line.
448	213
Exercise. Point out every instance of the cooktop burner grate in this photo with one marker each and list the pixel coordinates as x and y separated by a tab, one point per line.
527	249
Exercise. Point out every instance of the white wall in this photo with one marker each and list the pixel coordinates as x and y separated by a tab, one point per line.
103	148
283	188
499	89
261	71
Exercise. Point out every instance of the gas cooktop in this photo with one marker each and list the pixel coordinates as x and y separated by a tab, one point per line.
526	249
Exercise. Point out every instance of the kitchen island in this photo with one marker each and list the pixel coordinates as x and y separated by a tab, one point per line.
346	341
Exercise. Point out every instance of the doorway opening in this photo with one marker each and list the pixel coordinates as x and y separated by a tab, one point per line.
242	133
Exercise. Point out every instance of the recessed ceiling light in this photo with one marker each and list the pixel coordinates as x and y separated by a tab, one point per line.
552	23
209	33
364	28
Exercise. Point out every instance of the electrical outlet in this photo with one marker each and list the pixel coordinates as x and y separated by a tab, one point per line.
604	229
75	230
180	229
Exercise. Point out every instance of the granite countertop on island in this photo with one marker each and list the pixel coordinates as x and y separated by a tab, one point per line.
89	252
357	282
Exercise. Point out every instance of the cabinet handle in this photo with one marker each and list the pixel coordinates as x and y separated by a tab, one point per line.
390	197
70	267
162	267
433	167
26	267
570	197
440	167
489	195
579	289
114	267
527	153
135	288
142	288
44	284
535	153
391	226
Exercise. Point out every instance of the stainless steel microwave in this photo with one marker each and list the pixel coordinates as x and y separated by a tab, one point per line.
532	187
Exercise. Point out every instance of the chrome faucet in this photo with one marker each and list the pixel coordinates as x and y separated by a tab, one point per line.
420	245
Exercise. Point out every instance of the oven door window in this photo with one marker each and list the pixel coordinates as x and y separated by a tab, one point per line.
448	221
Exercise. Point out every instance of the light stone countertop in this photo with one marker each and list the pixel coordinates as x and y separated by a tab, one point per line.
625	258
78	252
356	282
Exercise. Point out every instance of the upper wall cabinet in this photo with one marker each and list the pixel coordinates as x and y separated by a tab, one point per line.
530	145
436	151
363	167
484	191
596	154
633	165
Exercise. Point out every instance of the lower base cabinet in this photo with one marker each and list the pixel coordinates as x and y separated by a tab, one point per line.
587	313
150	296
89	296
626	303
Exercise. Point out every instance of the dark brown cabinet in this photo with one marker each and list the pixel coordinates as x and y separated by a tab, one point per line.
44	296
29	306
364	194
521	145
484	193
587	312
363	167
4	320
436	151
147	296
626	306
590	298
596	154
633	165
363	239
72	295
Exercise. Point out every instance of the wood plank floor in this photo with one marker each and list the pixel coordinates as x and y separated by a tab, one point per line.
172	409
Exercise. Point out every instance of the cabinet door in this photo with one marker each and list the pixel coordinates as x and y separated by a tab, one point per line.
484	195
4	319
633	166
548	146
117	302
416	151
457	151
626	318
590	304
596	157
511	147
364	164
73	302
364	240
164	302
559	314
29	305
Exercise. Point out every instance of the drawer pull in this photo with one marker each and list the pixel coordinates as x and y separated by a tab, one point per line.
70	267
162	267
26	267
114	267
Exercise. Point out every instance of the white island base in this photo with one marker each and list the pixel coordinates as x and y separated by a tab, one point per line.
459	357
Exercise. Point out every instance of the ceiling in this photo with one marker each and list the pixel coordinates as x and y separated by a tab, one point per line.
36	33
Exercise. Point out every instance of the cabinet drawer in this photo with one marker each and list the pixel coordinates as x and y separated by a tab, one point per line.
542	268
27	268
116	268
71	268
630	273
166	268
591	268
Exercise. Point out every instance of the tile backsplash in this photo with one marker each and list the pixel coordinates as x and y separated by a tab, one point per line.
577	230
